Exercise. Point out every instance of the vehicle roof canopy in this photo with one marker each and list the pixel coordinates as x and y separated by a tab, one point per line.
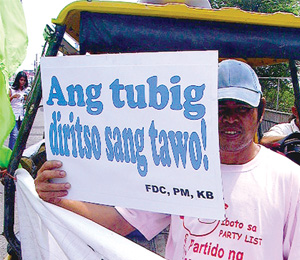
114	27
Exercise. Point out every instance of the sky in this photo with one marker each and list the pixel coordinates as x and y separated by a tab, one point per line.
38	13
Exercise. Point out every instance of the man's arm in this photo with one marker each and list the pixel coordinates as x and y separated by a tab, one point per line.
276	133
105	216
271	139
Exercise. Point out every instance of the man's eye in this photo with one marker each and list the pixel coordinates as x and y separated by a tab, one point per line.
221	110
243	109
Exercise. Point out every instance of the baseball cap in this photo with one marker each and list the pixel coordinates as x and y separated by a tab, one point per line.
237	80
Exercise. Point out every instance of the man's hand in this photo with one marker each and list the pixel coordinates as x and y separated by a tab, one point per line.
51	192
16	95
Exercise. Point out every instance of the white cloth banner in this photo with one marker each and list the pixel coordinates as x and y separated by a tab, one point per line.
50	232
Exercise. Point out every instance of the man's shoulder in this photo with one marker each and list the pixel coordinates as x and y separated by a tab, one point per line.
277	159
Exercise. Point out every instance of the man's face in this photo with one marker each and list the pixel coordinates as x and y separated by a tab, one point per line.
295	112
237	125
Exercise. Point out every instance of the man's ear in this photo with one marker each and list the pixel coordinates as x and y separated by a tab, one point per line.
263	104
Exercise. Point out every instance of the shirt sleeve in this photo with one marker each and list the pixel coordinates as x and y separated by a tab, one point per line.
148	223
280	129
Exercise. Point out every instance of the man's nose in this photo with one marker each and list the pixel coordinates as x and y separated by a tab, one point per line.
230	117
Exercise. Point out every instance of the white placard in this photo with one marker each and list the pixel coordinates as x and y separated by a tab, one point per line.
137	130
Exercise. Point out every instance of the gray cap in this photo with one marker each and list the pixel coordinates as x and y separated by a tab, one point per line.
237	80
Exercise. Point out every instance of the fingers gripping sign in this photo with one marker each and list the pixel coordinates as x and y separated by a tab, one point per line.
48	191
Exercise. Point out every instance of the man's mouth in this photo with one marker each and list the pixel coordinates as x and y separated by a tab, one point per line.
230	132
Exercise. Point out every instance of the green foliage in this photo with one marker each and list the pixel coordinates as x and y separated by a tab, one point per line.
285	94
263	6
278	70
281	73
269	87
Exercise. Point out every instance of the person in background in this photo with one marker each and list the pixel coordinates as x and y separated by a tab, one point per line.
280	131
17	94
261	189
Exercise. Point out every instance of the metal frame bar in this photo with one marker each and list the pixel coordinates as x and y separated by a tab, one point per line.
9	185
294	75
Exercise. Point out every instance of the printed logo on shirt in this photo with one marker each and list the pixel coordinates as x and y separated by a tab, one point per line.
192	226
218	239
207	225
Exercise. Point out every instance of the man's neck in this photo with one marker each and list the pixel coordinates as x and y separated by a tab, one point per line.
240	157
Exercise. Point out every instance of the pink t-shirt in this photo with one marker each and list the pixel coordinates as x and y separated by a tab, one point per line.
262	216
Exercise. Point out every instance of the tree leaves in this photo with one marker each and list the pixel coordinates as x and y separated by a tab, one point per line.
262	6
284	99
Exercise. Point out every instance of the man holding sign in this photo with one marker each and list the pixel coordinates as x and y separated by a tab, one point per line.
261	189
